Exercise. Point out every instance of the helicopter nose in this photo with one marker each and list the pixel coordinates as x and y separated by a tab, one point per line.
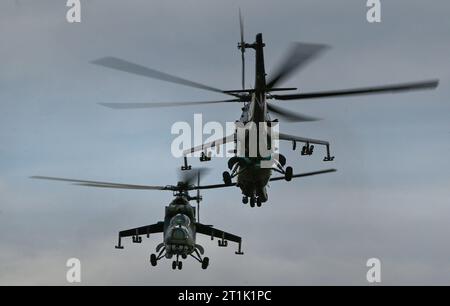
179	234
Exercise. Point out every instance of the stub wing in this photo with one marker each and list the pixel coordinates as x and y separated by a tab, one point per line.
138	231
213	144
209	230
306	150
302	139
309	142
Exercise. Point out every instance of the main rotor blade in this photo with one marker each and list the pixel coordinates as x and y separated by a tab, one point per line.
304	174
126	66
162	104
212	186
272	179
103	184
432	84
288	115
298	56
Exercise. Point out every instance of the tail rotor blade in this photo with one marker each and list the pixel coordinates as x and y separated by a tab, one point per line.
241	26
242	47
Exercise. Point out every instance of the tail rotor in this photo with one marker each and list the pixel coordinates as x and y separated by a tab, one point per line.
241	46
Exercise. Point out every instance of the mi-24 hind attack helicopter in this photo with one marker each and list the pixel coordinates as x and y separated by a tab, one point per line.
251	178
181	222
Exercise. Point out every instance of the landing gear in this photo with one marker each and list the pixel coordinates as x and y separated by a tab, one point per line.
227	178
245	200
153	260
255	201
177	264
288	174
205	263
258	202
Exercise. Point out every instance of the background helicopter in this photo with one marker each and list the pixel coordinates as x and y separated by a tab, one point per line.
181	222
251	178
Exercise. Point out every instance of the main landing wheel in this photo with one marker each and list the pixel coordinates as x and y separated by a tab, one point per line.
205	263
153	260
180	265
227	178
288	174
245	200
174	264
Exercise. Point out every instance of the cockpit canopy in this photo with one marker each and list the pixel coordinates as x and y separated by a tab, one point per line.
180	219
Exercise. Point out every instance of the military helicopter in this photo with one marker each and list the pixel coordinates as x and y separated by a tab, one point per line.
251	178
181	222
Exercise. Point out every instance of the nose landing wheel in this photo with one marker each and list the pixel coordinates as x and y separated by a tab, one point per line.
255	201
258	202
177	264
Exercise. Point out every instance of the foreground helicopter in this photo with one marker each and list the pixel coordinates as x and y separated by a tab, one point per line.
251	177
181	222
180	226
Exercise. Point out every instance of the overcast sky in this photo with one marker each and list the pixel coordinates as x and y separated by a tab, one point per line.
389	198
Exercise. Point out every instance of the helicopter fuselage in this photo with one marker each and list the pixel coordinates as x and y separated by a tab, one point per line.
179	228
252	179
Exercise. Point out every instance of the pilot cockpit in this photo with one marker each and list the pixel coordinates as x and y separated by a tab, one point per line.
180	220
